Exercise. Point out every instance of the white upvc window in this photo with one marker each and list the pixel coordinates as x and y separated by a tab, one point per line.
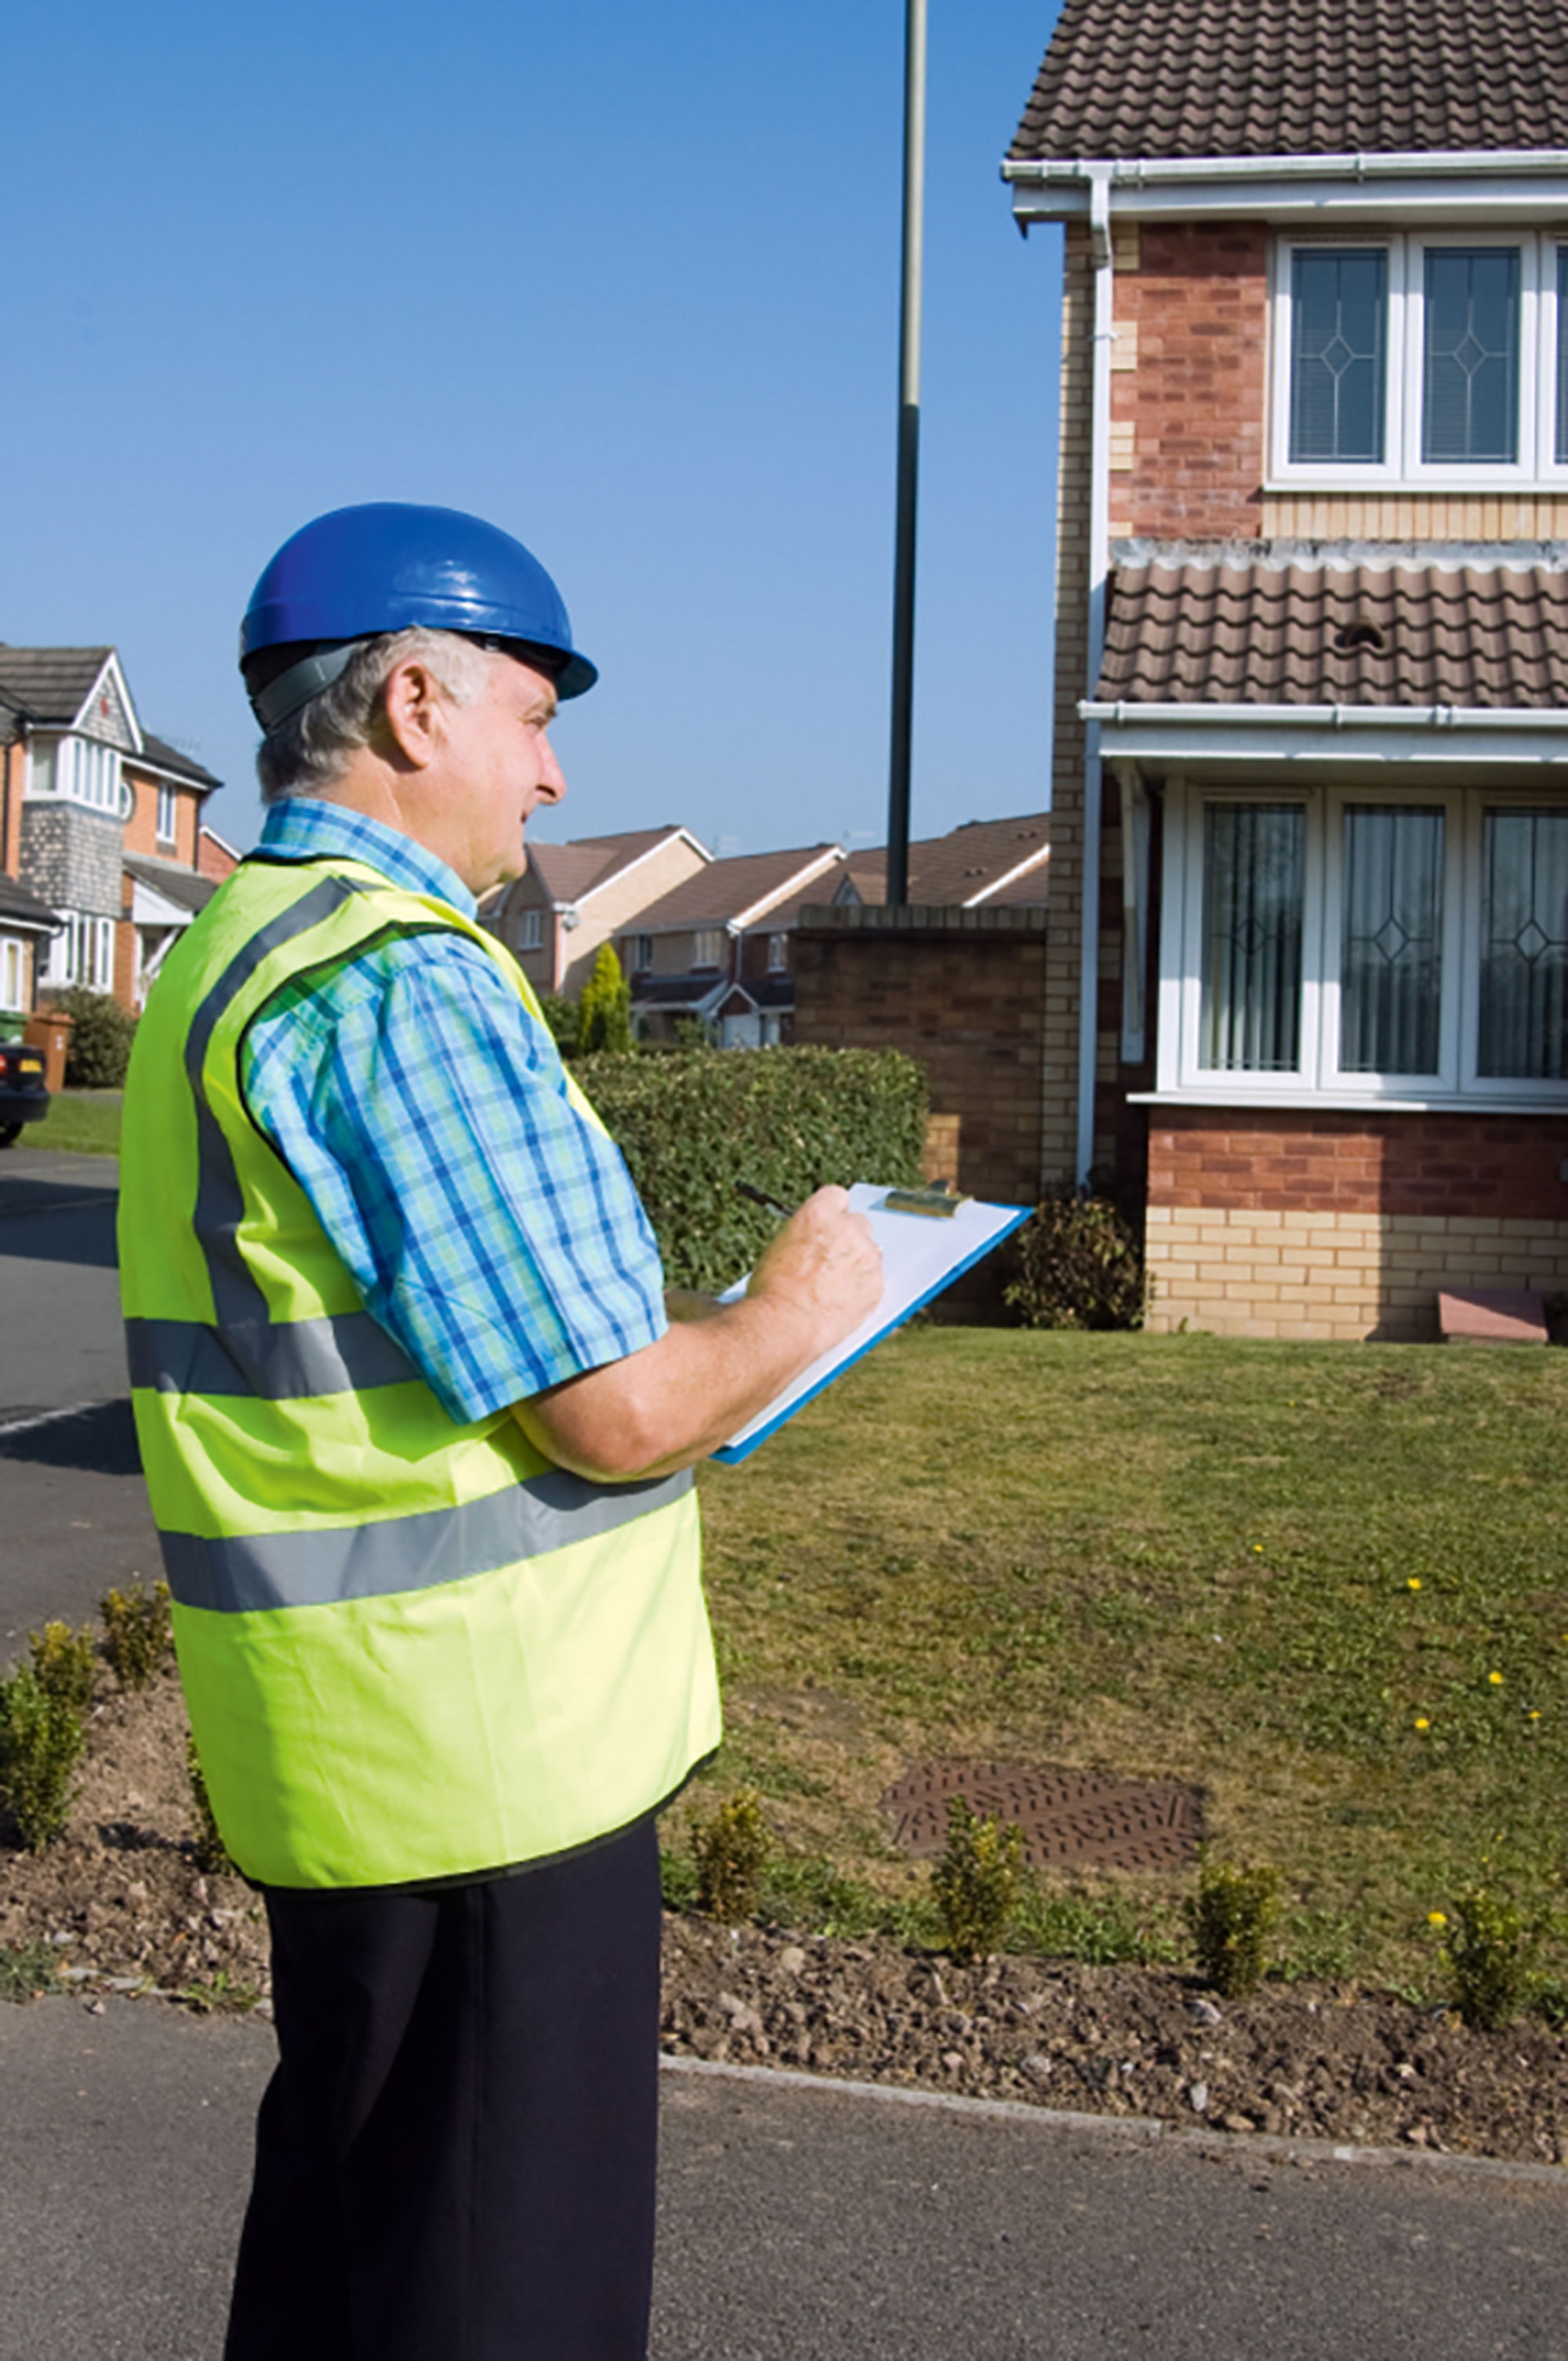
78	771
639	954
707	947
83	952
13	973
778	954
1432	358
1365	944
530	931
168	816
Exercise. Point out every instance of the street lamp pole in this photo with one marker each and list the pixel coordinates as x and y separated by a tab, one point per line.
908	452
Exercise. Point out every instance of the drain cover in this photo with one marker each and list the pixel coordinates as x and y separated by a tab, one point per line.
1069	1817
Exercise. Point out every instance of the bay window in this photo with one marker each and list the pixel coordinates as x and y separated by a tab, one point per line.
1365	944
1416	356
77	770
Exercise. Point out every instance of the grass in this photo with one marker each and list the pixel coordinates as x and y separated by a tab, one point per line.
85	1122
1326	1584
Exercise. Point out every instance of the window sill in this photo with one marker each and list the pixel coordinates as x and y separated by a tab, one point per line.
1486	483
1338	1102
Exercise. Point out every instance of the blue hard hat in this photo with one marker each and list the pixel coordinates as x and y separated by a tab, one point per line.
385	568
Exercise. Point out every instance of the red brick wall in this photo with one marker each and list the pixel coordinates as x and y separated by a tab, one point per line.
1297	1161
1198	301
969	1006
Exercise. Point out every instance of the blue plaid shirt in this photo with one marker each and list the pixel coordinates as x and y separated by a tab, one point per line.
425	1113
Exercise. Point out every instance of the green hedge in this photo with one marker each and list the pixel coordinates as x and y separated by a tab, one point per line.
691	1125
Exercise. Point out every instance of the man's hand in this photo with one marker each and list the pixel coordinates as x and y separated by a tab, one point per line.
824	1267
676	1400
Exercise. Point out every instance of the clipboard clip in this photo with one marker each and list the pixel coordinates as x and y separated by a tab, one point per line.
941	1201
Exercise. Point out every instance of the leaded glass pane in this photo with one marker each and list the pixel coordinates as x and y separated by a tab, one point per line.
1524	946
1250	1008
1391	943
1470	365
1339	304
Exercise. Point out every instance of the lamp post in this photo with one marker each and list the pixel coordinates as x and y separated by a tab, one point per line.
908	453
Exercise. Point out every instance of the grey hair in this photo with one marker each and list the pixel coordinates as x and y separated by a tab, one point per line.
312	748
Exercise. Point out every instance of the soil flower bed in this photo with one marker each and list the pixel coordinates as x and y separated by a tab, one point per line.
120	1903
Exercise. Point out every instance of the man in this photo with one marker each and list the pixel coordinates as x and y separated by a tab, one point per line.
419	1432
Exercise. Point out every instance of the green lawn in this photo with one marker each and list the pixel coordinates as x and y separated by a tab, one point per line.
87	1122
1328	1584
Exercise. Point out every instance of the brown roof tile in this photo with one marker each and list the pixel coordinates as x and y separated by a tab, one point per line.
725	889
1127	78
569	871
945	872
1240	633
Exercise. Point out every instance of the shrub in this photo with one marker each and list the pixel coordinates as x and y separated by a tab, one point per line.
975	1883
1231	1917
788	1120
99	1045
66	1662
136	1628
728	1849
211	1853
1080	1264
604	1016
1488	1952
41	1742
560	1015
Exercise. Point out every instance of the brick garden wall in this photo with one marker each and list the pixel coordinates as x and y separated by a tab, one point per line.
1345	1225
964	992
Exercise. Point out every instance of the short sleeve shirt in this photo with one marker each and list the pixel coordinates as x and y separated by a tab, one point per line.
491	1229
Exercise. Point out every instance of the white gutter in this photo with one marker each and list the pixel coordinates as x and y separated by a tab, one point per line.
1128	713
1143	171
1098	177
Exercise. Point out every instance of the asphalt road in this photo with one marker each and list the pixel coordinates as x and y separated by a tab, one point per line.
802	2223
74	1516
796	2223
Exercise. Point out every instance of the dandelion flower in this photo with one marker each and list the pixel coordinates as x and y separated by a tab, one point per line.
1534	1713
1495	1679
1412	1582
1258	1549
1421	1721
1437	1917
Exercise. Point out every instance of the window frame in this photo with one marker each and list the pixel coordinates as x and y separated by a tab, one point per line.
82	952
530	931
167	809
1318	1076
71	754
1538	461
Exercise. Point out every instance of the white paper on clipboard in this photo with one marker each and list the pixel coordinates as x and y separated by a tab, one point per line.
921	1255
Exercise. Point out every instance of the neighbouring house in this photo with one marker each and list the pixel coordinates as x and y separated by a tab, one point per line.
100	828
1308	958
572	898
716	949
995	862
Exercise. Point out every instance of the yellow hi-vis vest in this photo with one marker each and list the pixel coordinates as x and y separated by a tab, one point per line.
411	1649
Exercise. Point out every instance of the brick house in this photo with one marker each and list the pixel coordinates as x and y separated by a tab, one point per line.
573	898
718	947
100	826
1307	973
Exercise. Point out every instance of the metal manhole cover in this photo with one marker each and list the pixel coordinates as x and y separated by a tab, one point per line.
1070	1819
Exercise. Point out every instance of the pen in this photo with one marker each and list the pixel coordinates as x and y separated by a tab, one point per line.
761	1197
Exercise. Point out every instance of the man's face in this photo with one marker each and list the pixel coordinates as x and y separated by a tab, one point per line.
498	767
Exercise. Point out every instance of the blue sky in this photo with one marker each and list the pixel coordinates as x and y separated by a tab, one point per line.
623	280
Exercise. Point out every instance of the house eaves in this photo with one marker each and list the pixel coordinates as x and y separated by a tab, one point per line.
616	876
1522	186
1312	738
793	886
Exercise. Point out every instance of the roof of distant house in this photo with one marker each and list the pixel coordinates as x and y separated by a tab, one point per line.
1196	633
569	872
187	888
1130	77
157	754
999	862
22	907
48	685
749	883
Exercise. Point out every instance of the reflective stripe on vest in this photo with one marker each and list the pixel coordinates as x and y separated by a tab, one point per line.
411	1649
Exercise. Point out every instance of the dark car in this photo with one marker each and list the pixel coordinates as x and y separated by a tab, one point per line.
23	1098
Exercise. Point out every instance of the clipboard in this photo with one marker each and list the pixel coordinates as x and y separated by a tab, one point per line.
919	1257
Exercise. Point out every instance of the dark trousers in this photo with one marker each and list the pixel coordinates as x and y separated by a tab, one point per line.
455	2158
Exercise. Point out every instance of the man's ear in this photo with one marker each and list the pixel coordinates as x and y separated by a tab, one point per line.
415	713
